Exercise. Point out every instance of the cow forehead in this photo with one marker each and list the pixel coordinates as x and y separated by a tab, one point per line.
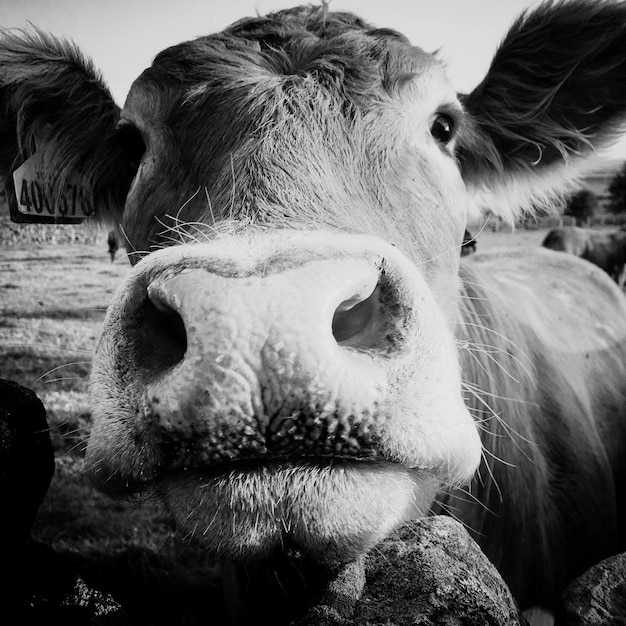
306	49
306	119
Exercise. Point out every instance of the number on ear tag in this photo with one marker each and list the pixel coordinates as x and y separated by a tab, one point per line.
31	199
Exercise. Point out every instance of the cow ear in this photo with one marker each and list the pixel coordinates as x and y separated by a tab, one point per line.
55	105
555	93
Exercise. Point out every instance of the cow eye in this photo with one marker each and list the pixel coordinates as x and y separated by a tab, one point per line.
131	140
442	128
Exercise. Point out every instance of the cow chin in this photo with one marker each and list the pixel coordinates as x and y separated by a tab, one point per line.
330	513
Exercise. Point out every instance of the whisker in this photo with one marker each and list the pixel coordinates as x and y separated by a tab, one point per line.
510	433
123	232
455	248
496	362
494	482
231	211
186	203
449	510
478	362
471	499
498	396
495	350
48	346
493	332
81	444
58	367
209	204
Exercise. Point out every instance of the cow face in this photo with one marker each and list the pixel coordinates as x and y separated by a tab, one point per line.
285	375
289	356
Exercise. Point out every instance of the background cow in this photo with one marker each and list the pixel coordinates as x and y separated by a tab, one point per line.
607	249
312	367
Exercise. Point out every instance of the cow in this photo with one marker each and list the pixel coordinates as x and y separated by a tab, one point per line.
605	248
299	361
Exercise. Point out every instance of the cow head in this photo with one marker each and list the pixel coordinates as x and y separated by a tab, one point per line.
280	365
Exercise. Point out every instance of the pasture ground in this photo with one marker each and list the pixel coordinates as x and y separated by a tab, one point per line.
52	302
54	290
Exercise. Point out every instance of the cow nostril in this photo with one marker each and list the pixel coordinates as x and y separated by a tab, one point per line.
165	332
354	319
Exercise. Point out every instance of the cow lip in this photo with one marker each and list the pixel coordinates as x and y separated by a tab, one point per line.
278	461
131	487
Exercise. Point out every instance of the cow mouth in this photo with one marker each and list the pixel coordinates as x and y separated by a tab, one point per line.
131	486
330	510
279	463
275	461
331	507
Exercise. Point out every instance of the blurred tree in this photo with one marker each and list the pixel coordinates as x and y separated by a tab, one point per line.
581	206
617	192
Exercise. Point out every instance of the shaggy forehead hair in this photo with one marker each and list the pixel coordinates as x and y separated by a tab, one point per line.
350	60
252	105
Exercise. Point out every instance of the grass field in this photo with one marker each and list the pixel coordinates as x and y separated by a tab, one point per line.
52	301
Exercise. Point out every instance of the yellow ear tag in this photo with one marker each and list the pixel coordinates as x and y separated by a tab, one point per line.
34	201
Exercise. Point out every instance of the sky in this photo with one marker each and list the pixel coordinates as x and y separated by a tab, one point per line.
122	36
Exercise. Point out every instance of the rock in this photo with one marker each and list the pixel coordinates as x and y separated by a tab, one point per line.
339	599
37	586
429	572
26	468
597	598
343	592
26	462
53	593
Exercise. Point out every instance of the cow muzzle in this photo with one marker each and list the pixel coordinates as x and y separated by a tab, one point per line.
280	390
